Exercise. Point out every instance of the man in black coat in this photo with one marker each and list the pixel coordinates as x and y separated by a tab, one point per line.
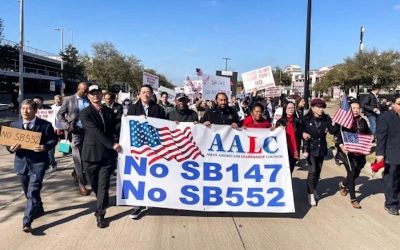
99	149
181	112
149	108
222	114
388	149
145	105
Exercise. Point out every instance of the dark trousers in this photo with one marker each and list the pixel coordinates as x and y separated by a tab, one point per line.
314	172
292	163
99	174
391	181
76	146
32	184
353	169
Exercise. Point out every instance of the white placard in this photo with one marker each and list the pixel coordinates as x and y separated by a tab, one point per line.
151	80
212	85
258	79
171	93
48	115
193	167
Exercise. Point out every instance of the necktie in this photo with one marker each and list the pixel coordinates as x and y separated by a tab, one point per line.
27	126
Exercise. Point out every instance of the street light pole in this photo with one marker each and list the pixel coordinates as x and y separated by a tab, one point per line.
226	62
360	50
21	51
72	37
307	66
62	62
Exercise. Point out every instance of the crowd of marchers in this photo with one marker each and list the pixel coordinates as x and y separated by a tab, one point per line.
90	120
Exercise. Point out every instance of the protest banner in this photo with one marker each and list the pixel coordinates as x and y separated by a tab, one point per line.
151	80
212	85
192	167
28	139
258	79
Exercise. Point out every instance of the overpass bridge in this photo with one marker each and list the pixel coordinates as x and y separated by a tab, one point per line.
40	68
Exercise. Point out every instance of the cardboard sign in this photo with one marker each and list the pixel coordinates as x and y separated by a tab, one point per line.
258	79
28	139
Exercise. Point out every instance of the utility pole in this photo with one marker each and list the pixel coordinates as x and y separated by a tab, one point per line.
21	51
226	62
307	66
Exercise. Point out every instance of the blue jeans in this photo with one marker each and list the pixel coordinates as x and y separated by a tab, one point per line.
52	159
372	124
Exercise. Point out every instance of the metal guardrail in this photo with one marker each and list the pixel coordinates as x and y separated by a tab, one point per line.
31	49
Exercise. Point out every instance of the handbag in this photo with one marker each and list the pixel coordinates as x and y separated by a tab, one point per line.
64	147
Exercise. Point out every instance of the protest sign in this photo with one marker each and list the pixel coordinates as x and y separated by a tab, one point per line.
151	80
171	93
11	136
273	91
258	79
48	115
123	96
212	85
192	167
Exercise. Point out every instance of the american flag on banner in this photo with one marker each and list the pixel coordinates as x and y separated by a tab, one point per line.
157	143
343	115
357	143
199	72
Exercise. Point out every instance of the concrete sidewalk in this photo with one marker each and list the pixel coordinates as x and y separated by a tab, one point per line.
69	222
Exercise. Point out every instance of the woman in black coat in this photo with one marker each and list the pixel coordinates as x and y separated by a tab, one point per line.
316	124
353	162
294	130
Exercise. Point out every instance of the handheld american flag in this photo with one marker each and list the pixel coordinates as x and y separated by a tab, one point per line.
344	115
357	143
157	143
199	72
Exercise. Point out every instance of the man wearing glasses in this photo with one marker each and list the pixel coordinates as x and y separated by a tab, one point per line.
387	149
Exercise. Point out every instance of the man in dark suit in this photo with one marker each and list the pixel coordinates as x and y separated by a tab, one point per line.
68	115
99	149
30	165
117	108
387	149
147	107
372	107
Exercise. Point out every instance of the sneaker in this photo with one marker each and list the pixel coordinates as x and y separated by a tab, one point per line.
355	204
137	211
53	167
342	189
311	200
392	210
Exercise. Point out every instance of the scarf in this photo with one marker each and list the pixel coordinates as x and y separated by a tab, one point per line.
291	138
